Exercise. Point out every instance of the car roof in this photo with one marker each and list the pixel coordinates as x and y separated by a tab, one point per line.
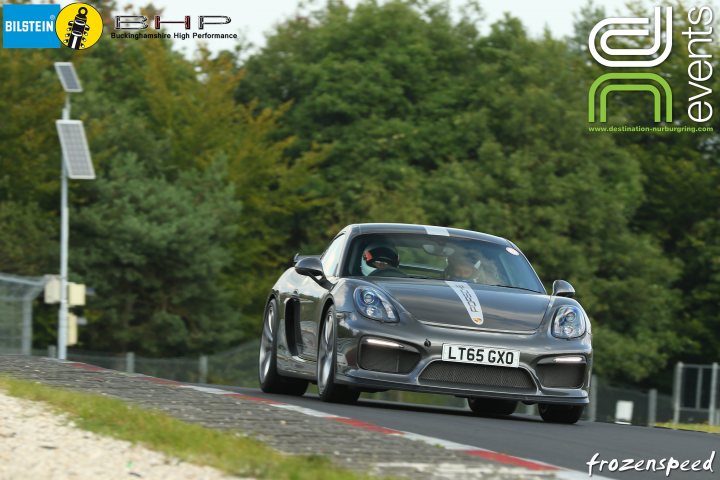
363	228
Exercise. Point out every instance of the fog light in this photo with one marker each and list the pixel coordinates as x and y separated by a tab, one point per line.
569	359
383	343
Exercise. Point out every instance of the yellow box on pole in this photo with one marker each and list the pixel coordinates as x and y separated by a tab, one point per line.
72	336
76	294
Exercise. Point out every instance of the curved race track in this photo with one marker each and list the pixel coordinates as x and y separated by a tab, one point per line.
568	446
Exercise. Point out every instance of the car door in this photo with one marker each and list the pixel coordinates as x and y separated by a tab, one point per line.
311	294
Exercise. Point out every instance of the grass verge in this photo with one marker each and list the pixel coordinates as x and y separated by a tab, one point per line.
698	427
225	451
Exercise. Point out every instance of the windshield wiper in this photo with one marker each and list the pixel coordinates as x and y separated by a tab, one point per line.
512	286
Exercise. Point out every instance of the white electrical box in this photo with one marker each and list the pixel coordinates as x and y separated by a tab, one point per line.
52	289
624	412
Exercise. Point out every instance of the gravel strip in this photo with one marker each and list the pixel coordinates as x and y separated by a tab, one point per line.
287	431
38	444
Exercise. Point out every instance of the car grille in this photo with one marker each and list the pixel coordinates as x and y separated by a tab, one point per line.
477	376
561	376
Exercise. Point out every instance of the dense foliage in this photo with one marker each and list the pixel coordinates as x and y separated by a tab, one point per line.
214	172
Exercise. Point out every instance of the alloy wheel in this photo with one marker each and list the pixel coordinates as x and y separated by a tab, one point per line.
326	352
266	343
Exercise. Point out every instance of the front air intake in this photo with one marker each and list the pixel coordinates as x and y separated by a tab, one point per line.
380	358
561	375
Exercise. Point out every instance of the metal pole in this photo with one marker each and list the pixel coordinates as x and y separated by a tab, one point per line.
64	238
592	410
677	392
698	387
27	326
203	364
130	362
652	407
712	408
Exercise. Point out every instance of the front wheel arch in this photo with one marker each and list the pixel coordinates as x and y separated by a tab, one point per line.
331	391
270	379
321	322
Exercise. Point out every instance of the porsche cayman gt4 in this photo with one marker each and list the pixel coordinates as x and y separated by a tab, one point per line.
427	309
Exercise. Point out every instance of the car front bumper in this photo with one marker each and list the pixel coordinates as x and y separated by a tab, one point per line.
535	349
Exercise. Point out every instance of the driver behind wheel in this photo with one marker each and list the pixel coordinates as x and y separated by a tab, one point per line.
381	260
381	257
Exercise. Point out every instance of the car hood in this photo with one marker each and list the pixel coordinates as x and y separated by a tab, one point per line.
436	301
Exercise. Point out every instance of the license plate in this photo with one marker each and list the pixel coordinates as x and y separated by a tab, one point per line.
481	355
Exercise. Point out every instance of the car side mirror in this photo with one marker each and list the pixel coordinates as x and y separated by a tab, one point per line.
310	266
561	288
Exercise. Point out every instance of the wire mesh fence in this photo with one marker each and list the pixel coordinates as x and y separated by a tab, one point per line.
16	299
644	410
238	367
697	395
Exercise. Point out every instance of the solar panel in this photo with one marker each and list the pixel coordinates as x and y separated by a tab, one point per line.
68	77
76	153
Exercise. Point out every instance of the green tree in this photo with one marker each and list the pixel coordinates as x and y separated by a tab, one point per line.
156	253
172	118
30	100
178	116
27	244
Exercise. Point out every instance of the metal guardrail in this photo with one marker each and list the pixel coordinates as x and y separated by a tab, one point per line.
238	367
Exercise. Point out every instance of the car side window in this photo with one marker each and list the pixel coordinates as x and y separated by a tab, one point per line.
332	256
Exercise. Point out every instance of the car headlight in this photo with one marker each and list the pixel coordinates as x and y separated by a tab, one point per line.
569	322
373	304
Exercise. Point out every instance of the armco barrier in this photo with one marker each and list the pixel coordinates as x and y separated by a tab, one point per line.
238	367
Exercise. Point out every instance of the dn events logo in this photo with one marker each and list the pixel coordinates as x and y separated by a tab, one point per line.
627	63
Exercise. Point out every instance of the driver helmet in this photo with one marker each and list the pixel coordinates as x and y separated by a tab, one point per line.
377	254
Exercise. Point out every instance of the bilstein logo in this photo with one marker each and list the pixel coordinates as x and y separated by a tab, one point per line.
30	26
619	82
699	69
79	26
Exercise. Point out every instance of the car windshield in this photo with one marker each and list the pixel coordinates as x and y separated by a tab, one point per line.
443	258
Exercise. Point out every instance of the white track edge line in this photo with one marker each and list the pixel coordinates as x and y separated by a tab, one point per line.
562	473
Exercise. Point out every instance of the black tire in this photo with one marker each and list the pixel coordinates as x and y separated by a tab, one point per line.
491	406
270	380
561	413
328	390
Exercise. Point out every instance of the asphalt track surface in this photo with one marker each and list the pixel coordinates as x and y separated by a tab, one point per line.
568	446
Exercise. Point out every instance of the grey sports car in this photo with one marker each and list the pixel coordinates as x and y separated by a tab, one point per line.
427	309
